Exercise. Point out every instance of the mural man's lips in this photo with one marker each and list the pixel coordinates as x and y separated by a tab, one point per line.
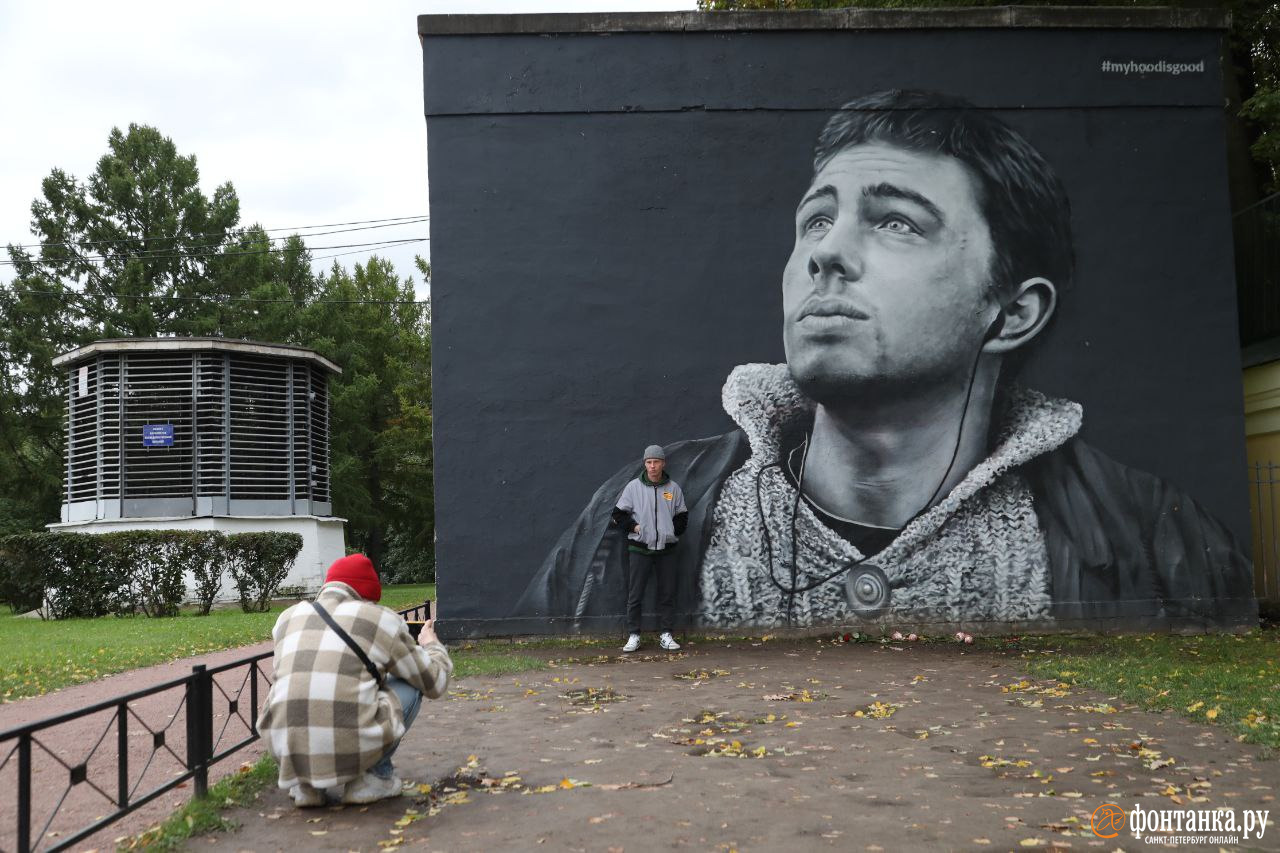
831	308
835	327
829	316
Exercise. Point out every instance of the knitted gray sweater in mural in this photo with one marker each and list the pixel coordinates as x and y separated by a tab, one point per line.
1045	531
978	555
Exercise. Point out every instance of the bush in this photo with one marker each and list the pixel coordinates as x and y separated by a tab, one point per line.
259	563
21	573
204	553
83	575
148	559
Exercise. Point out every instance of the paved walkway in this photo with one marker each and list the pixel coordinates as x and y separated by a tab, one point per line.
92	741
778	746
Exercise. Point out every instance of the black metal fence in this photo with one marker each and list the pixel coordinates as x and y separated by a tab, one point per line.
1264	514
421	613
215	715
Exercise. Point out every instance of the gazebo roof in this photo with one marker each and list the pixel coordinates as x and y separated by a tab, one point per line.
128	345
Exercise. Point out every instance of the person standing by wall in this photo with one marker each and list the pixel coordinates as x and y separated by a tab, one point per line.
651	509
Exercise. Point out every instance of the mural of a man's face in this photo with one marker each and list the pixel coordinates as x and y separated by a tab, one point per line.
889	278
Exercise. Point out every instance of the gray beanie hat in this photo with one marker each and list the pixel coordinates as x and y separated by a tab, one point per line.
653	451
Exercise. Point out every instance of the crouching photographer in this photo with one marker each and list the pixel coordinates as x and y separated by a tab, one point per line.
349	679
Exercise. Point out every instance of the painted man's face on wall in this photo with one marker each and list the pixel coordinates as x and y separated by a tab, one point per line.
888	280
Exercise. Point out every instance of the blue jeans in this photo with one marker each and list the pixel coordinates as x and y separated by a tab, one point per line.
410	700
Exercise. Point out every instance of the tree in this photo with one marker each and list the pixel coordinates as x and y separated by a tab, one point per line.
381	408
263	291
135	241
138	250
139	228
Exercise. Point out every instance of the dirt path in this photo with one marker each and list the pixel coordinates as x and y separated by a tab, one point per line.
950	759
91	741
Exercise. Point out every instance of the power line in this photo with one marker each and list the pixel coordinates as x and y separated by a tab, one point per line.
224	254
341	254
393	222
187	251
220	300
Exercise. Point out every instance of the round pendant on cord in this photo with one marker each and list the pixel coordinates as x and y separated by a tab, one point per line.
867	590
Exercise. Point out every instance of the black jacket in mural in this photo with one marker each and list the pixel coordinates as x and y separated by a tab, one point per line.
1120	544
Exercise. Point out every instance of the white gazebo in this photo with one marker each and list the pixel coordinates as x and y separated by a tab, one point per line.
201	434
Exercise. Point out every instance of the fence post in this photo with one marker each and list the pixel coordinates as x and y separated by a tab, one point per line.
24	792
199	727
122	755
253	698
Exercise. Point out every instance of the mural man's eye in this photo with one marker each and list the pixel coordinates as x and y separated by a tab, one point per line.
818	224
898	226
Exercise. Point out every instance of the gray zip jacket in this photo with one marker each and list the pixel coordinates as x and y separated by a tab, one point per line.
654	507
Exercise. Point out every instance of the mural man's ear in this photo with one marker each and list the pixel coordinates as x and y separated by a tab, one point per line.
1022	317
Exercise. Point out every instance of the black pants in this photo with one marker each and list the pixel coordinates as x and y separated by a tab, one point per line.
641	566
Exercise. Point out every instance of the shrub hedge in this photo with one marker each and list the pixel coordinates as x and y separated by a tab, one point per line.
140	571
258	563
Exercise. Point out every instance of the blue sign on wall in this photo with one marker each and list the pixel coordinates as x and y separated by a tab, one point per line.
157	435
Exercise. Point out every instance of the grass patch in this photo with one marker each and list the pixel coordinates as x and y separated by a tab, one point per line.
204	815
403	596
1231	680
491	657
42	656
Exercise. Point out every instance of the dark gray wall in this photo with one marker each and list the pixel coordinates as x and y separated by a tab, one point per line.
585	187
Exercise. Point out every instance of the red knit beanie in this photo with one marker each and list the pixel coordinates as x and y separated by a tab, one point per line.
356	571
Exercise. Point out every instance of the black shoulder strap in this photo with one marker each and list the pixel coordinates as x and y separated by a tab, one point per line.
364	658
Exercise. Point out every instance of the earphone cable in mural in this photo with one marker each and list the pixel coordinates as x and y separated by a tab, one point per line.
872	597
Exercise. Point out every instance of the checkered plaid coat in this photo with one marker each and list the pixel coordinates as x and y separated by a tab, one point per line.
325	720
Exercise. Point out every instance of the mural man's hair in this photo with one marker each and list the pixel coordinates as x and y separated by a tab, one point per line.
1021	197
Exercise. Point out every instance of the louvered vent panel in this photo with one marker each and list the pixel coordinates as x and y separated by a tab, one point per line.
259	429
82	432
245	428
301	430
211	424
109	425
157	391
319	437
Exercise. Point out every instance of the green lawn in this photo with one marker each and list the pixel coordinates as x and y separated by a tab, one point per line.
1232	680
406	595
41	656
203	815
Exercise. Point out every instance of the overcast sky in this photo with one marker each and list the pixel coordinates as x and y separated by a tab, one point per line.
312	110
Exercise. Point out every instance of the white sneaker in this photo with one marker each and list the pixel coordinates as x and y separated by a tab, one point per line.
633	643
369	788
306	797
668	642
